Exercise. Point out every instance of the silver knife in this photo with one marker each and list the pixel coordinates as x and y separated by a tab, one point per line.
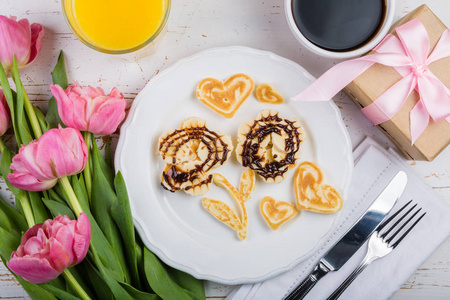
341	252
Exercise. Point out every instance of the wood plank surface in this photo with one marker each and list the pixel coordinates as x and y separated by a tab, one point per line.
201	24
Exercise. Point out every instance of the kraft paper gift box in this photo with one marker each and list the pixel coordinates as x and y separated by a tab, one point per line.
366	88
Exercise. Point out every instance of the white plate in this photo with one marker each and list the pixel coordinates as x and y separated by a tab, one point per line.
175	226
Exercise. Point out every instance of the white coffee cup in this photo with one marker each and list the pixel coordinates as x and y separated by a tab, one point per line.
366	47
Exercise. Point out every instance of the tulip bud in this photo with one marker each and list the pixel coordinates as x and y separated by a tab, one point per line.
89	109
5	114
47	249
57	153
20	39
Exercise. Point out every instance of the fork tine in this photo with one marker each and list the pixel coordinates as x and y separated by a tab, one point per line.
407	231
389	240
383	236
382	225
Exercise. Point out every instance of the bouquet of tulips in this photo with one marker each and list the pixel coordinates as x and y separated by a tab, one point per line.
72	215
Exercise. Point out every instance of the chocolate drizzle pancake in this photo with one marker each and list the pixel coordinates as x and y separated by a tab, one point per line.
190	153
270	145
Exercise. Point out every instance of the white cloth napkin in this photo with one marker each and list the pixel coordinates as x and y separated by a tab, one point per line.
374	168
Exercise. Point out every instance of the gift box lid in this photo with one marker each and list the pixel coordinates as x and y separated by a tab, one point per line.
377	79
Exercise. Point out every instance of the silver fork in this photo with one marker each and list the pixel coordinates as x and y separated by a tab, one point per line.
380	244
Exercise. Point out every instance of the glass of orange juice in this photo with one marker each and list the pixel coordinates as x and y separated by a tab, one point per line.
118	26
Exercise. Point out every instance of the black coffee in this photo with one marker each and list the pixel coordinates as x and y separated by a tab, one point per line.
339	25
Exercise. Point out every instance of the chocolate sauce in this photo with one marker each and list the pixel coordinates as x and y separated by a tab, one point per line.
217	154
257	133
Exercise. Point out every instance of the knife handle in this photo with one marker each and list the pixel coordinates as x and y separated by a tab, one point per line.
306	285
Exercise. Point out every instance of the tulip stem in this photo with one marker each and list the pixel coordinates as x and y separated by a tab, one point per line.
87	168
26	206
32	115
2	146
71	195
81	292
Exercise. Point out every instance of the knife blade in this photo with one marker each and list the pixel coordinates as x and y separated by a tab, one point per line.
358	233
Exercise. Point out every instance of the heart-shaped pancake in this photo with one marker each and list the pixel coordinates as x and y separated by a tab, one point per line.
225	97
266	93
276	213
312	194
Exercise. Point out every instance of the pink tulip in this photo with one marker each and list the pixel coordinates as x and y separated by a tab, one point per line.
89	109
49	248
20	39
58	152
5	114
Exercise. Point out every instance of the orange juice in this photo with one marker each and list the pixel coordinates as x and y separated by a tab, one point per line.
116	25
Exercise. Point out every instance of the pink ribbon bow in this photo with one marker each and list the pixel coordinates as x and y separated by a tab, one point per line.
408	54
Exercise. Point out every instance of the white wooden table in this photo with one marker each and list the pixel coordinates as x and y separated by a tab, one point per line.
197	25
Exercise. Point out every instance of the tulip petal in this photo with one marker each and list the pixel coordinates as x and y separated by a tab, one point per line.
57	153
80	108
28	182
33	246
90	92
65	106
62	151
15	39
28	161
31	232
82	238
108	117
89	109
75	142
60	257
37	33
32	269
5	114
65	237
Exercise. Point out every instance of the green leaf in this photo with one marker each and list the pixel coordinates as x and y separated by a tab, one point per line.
59	76
10	96
105	169
141	266
103	198
188	282
160	280
19	204
108	154
5	163
61	294
57	208
52	116
54	195
35	291
39	211
6	223
24	130
80	191
8	242
121	214
60	192
41	118
59	282
23	127
137	294
80	273
118	291
15	217
101	246
101	289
